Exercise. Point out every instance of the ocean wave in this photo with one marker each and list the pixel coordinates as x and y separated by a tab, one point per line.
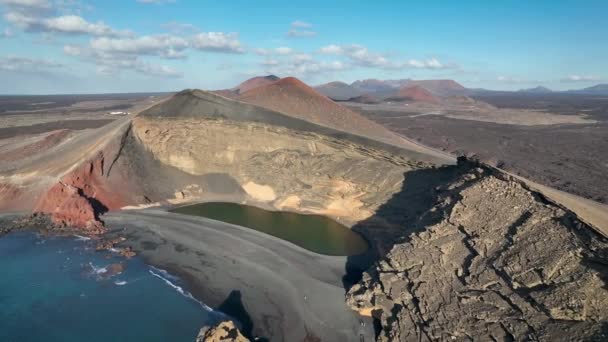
120	282
98	270
81	238
164	273
165	276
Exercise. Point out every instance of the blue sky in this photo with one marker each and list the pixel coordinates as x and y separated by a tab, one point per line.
73	46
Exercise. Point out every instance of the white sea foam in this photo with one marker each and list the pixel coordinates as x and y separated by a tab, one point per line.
81	238
164	273
120	282
98	270
164	276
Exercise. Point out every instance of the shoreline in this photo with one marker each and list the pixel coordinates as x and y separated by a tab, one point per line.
282	292
274	289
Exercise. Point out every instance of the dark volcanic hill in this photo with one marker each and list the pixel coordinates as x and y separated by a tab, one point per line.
599	89
536	90
374	86
338	91
414	94
365	98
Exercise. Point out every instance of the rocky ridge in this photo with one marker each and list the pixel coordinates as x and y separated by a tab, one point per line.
490	261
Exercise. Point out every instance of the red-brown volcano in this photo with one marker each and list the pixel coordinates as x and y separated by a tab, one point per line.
294	98
413	93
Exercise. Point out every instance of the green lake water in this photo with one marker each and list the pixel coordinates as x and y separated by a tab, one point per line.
315	233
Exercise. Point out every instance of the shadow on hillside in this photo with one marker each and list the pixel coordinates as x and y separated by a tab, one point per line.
406	212
233	307
409	211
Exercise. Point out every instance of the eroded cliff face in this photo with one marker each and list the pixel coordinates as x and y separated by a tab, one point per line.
83	194
282	168
490	261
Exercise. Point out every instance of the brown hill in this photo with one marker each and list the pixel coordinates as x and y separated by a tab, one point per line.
225	93
294	98
249	84
389	87
441	87
413	93
255	82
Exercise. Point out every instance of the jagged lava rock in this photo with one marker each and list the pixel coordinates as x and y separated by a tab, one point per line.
223	332
491	260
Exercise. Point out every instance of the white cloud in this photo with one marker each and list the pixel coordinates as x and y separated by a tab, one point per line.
178	27
331	49
42	16
73	24
581	78
270	62
67	24
283	50
358	54
25	64
300	24
516	80
363	57
217	42
262	52
432	63
112	55
27	4
156	70
109	63
301	33
300	29
301	57
166	46
7	33
300	65
156	2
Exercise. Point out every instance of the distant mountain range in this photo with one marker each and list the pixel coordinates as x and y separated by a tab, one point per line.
599	89
391	88
536	90
382	89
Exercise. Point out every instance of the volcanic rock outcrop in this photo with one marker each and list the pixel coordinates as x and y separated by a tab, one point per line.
490	260
81	196
223	332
